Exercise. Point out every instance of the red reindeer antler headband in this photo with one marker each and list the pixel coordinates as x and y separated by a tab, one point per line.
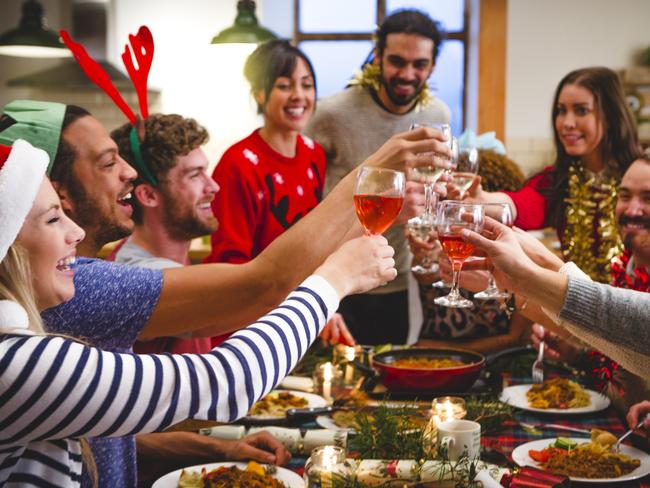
141	48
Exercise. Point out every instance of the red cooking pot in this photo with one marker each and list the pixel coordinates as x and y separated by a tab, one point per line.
456	378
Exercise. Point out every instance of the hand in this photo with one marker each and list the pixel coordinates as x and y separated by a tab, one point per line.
261	447
336	331
359	265
407	149
470	279
506	254
537	251
556	346
413	202
637	412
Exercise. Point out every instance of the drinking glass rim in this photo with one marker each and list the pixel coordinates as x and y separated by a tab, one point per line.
460	202
385	170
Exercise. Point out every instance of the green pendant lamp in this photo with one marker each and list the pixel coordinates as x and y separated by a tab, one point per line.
32	39
246	29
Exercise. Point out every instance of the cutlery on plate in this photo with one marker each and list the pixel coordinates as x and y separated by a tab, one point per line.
527	425
617	446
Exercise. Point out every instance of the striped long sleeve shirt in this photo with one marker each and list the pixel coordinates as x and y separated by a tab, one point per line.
54	391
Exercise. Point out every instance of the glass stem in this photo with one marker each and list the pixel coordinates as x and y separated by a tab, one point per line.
456	266
492	284
428	193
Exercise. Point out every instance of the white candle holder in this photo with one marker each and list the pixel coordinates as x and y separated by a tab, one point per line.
327	467
327	381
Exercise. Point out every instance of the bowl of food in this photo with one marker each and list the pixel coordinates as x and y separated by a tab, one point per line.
431	369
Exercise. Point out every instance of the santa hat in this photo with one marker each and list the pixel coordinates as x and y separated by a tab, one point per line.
22	169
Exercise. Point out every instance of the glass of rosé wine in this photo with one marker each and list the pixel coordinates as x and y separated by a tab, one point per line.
453	217
378	198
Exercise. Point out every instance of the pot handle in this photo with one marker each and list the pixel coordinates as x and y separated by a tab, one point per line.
367	371
511	351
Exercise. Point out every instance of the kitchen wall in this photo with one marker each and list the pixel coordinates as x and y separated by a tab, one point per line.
546	40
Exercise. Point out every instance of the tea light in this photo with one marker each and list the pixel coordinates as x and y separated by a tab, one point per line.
327	464
447	408
345	356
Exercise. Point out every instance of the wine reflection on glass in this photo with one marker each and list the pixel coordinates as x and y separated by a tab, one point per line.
502	213
378	198
453	217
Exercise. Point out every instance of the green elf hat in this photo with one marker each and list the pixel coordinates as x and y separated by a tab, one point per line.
39	123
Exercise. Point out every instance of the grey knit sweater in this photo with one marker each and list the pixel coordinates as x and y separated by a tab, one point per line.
616	321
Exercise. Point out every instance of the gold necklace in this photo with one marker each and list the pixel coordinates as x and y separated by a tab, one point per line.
591	238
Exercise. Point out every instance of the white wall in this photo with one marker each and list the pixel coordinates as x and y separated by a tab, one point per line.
549	38
197	79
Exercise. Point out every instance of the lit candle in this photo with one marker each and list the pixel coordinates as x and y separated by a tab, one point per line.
448	408
328	374
350	352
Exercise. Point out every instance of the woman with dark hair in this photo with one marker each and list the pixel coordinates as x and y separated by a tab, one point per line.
273	177
596	140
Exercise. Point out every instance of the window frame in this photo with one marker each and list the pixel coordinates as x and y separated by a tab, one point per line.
458	35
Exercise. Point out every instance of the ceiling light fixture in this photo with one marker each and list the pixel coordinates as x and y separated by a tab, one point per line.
246	29
32	39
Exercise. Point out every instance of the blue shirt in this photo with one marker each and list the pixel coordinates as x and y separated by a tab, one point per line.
111	306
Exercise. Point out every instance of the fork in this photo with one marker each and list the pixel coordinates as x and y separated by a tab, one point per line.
617	446
538	367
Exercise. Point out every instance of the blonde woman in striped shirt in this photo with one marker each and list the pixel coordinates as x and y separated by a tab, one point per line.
55	391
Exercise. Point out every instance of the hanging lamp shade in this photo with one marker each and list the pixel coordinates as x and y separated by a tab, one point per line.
32	38
246	29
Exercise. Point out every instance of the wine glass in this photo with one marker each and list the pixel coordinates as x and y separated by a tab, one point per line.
453	217
465	169
422	228
430	173
502	213
378	198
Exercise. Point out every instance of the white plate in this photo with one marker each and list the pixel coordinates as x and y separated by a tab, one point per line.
516	396
521	457
170	480
313	401
328	423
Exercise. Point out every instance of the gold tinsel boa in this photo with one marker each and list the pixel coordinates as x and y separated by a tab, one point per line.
370	77
590	198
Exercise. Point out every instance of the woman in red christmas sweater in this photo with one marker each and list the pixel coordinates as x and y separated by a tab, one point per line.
595	140
275	176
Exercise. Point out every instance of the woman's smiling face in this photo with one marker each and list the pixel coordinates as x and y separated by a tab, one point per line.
50	239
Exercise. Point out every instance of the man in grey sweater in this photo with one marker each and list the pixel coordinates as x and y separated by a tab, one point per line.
389	96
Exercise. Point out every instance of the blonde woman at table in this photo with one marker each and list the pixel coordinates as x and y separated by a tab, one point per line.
55	391
612	320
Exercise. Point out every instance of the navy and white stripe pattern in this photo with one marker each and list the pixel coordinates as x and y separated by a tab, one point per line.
53	391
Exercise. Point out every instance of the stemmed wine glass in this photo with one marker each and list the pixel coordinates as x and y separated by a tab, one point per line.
453	217
378	198
502	213
430	173
422	229
465	169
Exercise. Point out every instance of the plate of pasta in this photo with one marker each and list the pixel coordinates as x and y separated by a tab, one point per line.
227	475
558	396
584	461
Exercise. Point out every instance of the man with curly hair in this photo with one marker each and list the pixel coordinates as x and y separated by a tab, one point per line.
170	209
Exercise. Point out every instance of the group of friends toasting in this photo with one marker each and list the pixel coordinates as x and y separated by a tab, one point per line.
289	259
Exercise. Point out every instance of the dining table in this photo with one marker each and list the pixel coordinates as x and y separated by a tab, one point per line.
520	427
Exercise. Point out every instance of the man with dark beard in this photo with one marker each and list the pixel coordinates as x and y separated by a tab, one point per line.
389	96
